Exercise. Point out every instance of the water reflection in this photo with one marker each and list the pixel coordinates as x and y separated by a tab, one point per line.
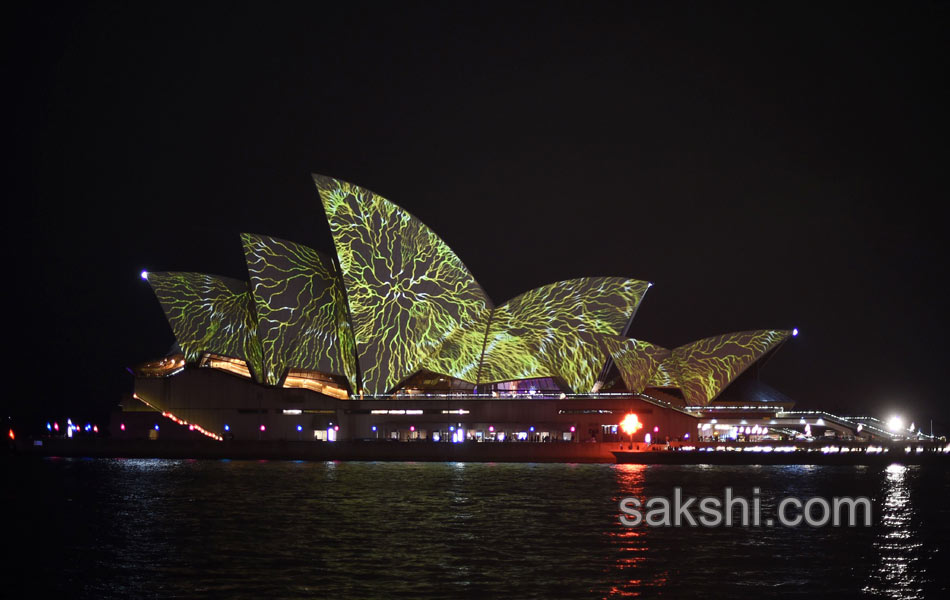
627	574
897	573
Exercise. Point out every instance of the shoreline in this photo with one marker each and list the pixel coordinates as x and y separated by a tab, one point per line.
552	452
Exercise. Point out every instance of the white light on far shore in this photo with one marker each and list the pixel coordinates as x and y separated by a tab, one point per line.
895	424
794	332
144	275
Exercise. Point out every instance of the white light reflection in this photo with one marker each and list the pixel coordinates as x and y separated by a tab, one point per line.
897	573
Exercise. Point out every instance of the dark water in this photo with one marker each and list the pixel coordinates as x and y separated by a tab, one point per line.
167	528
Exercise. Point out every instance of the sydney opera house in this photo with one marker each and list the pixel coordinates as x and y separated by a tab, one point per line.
393	339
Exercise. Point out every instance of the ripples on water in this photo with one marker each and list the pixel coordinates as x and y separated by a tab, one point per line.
170	528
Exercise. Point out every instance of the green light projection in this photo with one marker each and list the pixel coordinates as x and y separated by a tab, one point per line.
300	307
555	330
401	301
407	291
635	359
706	367
461	354
210	314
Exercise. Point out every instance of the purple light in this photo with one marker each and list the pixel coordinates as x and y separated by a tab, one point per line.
412	428
122	426
491	428
794	332
572	429
56	426
336	428
656	429
263	428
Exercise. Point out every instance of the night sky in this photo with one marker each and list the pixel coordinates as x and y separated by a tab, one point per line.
765	167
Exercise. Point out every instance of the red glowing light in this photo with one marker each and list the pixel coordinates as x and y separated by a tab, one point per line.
12	436
631	424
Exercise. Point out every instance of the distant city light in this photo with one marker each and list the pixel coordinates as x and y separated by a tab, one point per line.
122	427
156	426
895	423
572	429
49	427
227	427
374	428
794	332
144	275
263	428
647	438
299	427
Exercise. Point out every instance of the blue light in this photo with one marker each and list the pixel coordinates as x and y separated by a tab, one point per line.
156	426
49	427
531	428
794	332
227	427
374	428
299	427
144	275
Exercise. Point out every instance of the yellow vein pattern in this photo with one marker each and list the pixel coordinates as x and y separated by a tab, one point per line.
407	290
554	330
635	359
301	309
210	314
706	367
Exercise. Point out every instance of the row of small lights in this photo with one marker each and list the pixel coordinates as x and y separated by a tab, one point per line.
823	450
168	415
71	427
